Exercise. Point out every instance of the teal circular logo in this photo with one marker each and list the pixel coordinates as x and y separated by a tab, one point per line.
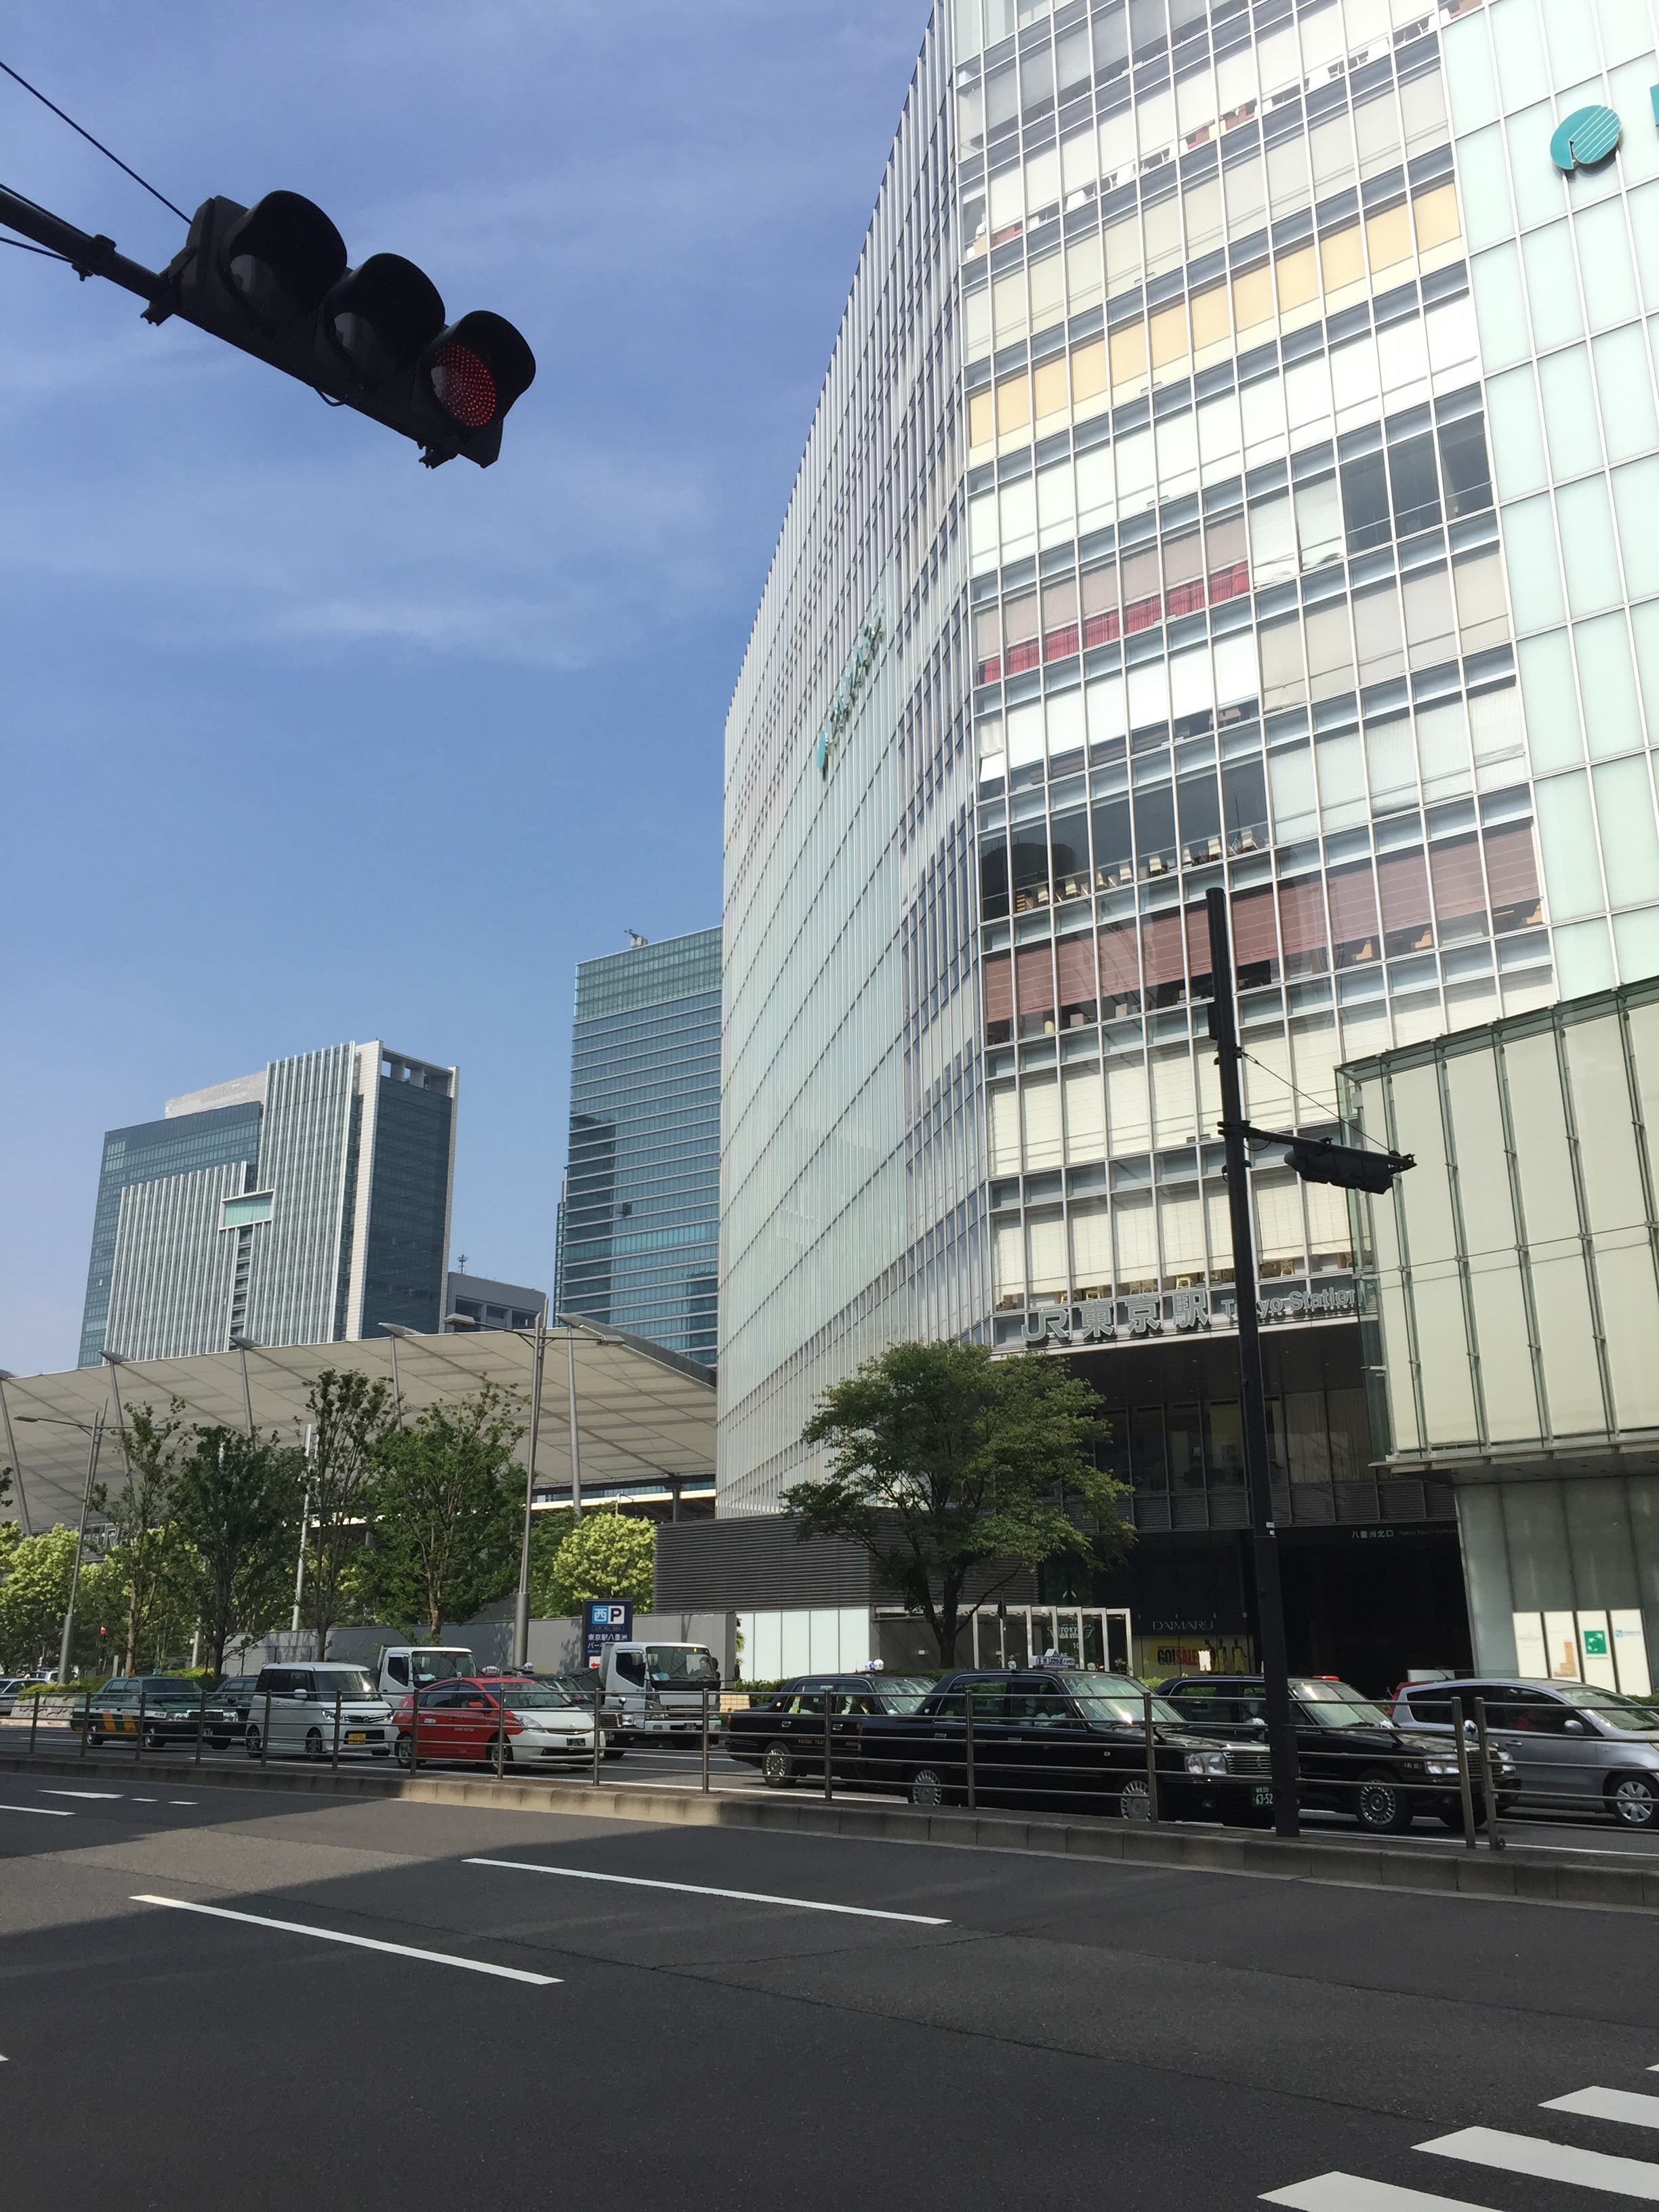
1586	137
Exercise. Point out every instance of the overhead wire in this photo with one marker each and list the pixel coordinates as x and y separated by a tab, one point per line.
37	94
45	251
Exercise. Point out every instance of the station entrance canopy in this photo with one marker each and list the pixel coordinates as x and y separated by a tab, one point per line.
645	1417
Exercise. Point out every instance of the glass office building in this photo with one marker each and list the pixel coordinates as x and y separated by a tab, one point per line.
639	1223
305	1204
1239	435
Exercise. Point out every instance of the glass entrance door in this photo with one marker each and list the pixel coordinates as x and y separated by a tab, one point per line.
1099	1638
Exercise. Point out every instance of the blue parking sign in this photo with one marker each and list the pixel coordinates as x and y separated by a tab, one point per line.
604	1620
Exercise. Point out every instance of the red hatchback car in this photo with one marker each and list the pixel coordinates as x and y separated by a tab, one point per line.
462	1718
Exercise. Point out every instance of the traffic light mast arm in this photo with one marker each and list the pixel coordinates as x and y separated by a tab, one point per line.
87	256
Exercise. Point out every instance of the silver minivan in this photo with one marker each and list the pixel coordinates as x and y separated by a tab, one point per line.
1577	1749
298	1705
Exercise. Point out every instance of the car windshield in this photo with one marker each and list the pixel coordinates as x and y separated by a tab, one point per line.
899	1693
1335	1705
532	1697
346	1682
682	1667
439	1666
169	1689
1620	1711
1115	1698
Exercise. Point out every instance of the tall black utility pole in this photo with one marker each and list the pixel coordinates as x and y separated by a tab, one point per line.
1269	1602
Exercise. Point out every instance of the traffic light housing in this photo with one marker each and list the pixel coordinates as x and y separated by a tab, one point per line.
273	280
1316	1159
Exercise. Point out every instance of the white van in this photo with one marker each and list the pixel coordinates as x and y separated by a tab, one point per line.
301	1710
394	1664
653	1693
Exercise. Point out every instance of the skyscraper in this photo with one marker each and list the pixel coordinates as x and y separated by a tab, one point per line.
1148	536
303	1205
640	1218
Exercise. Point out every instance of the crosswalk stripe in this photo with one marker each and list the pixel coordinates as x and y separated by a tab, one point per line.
1551	2161
1351	2192
1608	2105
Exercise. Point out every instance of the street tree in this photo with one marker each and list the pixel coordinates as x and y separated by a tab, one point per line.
948	1465
351	1416
444	1505
140	1541
236	1502
606	1555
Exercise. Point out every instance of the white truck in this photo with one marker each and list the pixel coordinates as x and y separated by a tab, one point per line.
653	1693
394	1663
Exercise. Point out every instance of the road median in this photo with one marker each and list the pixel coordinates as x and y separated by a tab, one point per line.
1536	1875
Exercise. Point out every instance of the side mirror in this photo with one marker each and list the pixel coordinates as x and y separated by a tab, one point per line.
1573	1728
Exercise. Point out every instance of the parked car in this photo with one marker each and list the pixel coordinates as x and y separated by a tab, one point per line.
169	1709
1351	1756
784	1734
301	1713
9	1685
531	1720
579	1687
1054	1737
237	1692
1574	1748
655	1691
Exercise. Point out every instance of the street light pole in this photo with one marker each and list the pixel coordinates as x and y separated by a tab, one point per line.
244	1346
1269	1602
79	1540
522	1608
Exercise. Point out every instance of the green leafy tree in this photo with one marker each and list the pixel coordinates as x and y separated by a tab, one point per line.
33	1597
606	1555
446	1504
236	1503
140	1539
943	1463
351	1417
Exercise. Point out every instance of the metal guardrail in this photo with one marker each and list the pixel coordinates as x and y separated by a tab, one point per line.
1141	1772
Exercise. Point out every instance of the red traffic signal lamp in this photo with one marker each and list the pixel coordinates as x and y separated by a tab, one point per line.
273	280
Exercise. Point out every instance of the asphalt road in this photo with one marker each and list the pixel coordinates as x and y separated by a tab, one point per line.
962	2027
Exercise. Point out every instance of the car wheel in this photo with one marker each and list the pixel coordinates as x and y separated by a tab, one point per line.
405	1754
220	1742
314	1744
927	1789
1380	1806
615	1750
252	1741
154	1740
1633	1801
1134	1801
380	1754
778	1767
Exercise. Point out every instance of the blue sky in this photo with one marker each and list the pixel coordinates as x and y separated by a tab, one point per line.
302	741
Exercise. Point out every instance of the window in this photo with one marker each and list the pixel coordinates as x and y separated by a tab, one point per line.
1184	575
1101	624
1353	915
992	878
987	645
1403	881
1020	626
1415	485
1069	844
1198	801
1365	502
1155	829
1029	869
1143	604
1244	806
1059	623
1463	458
1113	853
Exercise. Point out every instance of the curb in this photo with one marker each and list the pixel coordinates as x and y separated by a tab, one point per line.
1536	1878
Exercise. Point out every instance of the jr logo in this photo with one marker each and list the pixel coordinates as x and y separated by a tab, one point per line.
1584	138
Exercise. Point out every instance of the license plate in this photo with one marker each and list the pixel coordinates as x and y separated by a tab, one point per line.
1262	1794
355	1735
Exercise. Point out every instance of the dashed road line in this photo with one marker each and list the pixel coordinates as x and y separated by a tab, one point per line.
358	1942
698	1889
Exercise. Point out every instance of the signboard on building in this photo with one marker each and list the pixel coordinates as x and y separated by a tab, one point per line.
605	1622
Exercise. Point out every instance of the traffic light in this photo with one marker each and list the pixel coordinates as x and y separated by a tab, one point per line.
1316	1159
273	280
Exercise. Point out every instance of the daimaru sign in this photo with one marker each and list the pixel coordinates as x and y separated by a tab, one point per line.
1587	138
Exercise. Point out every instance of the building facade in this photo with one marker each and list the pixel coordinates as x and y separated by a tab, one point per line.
639	1221
476	1302
1231	471
304	1205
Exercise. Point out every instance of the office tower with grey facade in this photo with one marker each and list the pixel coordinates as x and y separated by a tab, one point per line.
306	1204
639	1223
1235	468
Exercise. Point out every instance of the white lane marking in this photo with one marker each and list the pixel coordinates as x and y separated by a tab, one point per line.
1351	2192
1608	2105
112	1795
1551	2161
47	1812
697	1889
359	1943
146	1800
184	1800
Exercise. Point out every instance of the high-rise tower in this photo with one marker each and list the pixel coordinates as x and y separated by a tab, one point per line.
303	1205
